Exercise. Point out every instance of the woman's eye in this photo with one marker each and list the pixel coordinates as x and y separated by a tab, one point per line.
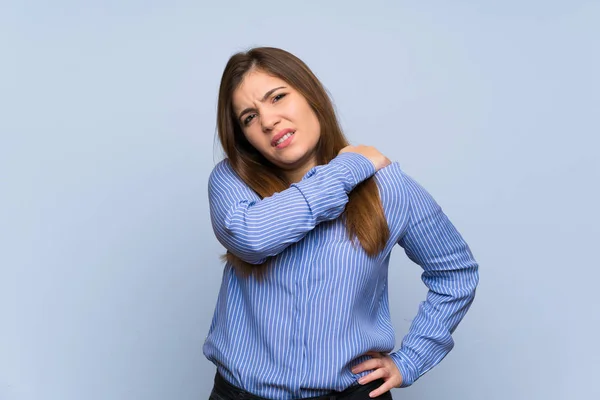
248	119
279	97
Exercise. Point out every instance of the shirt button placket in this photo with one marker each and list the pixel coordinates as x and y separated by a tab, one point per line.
303	285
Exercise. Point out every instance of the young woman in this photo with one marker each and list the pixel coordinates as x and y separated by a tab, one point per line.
309	223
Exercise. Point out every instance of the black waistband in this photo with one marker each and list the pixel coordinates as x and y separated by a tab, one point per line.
229	391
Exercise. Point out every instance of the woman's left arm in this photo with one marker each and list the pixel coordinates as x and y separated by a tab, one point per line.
450	272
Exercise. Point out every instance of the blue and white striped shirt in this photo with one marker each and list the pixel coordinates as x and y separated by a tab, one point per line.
323	303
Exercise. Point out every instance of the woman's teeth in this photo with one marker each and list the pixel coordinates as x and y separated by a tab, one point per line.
283	138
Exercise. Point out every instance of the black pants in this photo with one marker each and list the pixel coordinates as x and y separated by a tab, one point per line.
224	390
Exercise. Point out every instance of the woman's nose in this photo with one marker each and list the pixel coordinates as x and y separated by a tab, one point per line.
269	121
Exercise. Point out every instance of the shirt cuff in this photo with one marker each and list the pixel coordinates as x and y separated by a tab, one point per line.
356	168
407	368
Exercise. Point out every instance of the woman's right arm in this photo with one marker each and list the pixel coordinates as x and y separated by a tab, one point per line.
254	229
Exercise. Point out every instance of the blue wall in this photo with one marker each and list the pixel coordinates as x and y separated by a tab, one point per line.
108	265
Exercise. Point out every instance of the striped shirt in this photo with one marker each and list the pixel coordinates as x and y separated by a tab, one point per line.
323	303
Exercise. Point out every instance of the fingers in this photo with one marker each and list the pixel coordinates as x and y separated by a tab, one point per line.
376	362
379	160
379	373
373	363
382	367
386	387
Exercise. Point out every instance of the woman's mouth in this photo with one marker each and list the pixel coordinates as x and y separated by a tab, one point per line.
284	138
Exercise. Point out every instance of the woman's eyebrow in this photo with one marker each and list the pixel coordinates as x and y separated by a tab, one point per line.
264	98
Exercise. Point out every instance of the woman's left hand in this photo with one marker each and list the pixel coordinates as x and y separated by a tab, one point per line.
383	368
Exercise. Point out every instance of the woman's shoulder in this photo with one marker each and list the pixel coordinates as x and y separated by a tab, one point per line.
222	169
391	181
398	188
222	166
391	175
223	174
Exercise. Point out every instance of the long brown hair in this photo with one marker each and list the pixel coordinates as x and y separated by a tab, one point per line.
364	216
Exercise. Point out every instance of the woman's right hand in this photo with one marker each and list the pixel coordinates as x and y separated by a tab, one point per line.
379	160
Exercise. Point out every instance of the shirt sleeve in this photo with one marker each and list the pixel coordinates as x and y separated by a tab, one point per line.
254	229
450	273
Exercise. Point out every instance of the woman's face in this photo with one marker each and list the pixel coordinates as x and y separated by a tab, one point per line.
278	121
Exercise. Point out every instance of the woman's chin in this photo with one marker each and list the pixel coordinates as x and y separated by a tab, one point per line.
290	158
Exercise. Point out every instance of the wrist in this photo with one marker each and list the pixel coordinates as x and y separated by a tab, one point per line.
408	370
355	168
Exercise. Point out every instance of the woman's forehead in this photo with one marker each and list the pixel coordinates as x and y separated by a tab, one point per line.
258	81
254	86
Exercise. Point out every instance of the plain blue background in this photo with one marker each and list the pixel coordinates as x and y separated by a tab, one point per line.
109	268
